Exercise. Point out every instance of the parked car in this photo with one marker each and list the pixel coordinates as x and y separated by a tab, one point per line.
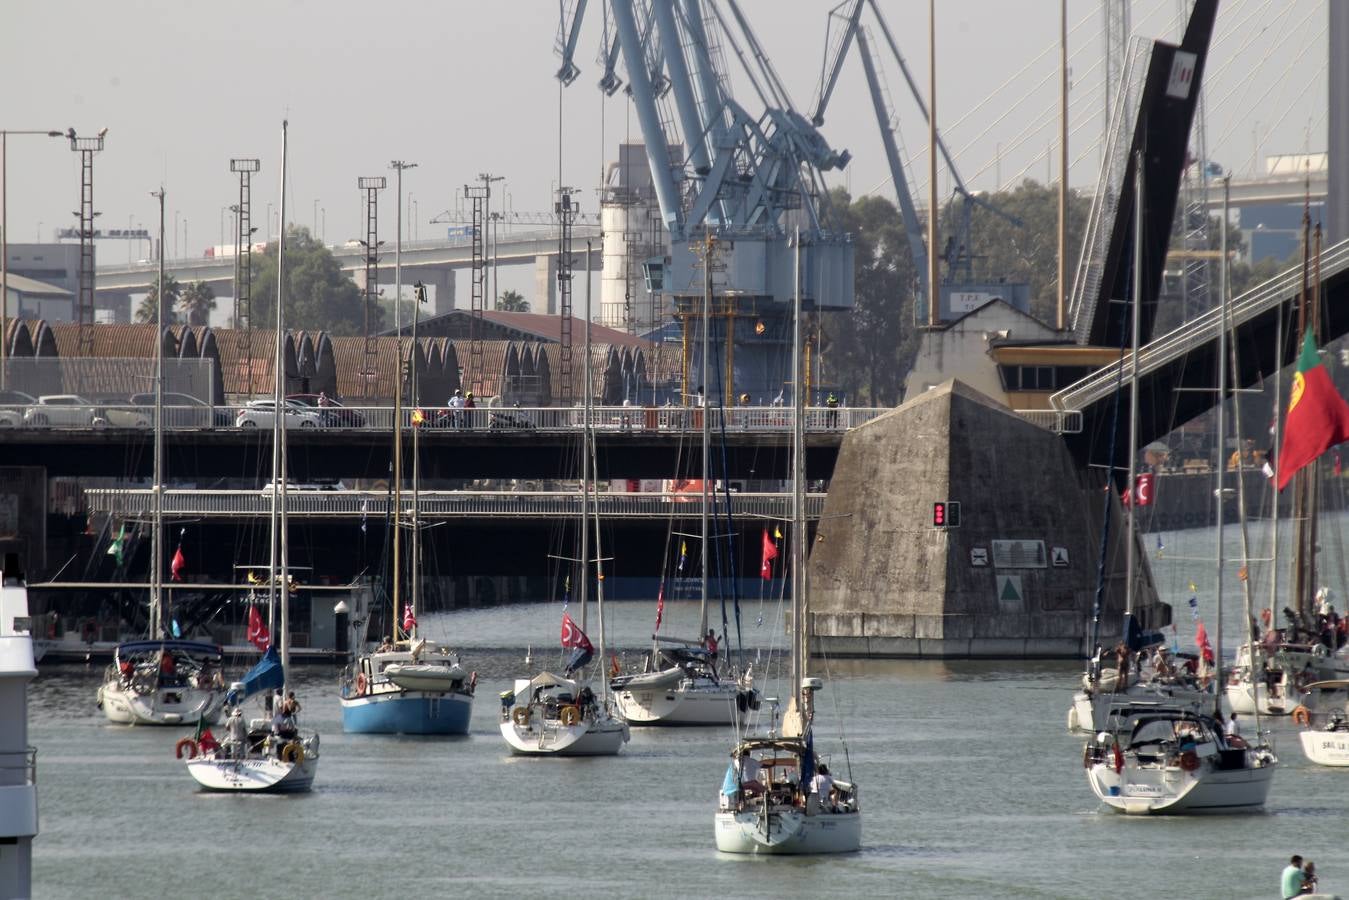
183	411
13	404
262	414
62	409
331	412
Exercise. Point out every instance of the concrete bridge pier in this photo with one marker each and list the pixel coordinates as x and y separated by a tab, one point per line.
1017	577
545	286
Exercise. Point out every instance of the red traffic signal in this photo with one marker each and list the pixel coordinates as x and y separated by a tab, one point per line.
946	514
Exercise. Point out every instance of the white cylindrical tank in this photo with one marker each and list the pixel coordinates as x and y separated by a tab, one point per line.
633	232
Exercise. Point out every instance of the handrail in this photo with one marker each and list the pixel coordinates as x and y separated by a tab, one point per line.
21	761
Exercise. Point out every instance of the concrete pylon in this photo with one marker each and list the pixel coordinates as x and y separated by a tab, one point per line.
1016	579
545	285
442	296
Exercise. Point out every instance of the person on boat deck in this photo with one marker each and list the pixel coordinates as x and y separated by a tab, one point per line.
1290	880
236	733
128	670
1308	878
1230	727
1161	663
710	645
750	783
283	725
291	706
822	786
1121	666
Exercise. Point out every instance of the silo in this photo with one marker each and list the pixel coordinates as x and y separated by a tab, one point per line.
633	232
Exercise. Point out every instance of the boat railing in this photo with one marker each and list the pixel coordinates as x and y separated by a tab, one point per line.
18	768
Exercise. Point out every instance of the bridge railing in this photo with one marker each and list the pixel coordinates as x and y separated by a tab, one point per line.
1196	332
436	419
442	504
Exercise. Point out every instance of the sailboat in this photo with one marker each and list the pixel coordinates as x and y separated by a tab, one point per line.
263	755
776	797
1160	757
408	685
1324	716
1103	689
160	681
680	684
559	715
1270	674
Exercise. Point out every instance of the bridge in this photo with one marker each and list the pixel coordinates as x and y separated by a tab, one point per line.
1178	372
432	261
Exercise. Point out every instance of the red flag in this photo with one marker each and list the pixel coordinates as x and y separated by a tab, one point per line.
178	565
1201	641
409	620
258	635
770	553
660	604
572	636
1318	417
1142	491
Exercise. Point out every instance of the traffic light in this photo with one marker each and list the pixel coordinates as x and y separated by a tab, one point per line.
946	514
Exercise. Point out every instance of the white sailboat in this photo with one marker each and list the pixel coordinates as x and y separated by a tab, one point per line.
1164	757
160	681
410	685
265	755
1324	717
559	715
680	684
777	798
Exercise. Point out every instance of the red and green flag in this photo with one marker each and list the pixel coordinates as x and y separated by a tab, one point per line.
1318	417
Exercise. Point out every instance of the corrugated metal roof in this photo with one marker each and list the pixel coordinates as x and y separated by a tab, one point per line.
33	287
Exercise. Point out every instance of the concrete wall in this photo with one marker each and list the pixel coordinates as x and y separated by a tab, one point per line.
962	349
885	582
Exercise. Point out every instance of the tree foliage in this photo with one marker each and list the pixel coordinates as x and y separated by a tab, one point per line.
196	302
319	295
512	301
148	310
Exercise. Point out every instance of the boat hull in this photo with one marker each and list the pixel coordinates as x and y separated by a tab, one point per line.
1325	748
407	712
1244	698
1172	791
255	775
788	832
603	738
166	706
678	706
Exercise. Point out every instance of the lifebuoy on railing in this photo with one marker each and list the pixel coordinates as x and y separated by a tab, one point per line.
1189	760
1302	715
520	716
185	744
571	715
293	753
361	684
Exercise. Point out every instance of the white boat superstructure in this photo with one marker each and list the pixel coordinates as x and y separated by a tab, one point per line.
1095	697
1324	717
163	683
1284	671
18	761
1162	760
683	688
262	763
549	715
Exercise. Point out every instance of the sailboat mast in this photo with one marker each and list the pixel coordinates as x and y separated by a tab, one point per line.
279	433
703	393
583	585
589	445
157	515
1300	480
415	569
1314	470
1222	469
1130	562
395	622
798	485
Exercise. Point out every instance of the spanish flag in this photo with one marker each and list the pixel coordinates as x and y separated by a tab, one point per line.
1318	417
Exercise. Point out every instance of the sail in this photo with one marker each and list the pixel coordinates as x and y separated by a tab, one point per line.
265	676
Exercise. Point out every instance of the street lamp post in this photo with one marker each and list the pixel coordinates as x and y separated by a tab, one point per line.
4	239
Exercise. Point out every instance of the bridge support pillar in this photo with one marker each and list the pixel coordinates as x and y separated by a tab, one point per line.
545	285
442	283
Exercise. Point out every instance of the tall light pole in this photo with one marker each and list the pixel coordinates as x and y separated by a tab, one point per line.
4	240
399	165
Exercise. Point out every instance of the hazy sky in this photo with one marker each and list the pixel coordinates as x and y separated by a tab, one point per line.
464	87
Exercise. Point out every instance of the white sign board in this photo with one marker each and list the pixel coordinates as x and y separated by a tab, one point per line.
968	301
1182	74
978	556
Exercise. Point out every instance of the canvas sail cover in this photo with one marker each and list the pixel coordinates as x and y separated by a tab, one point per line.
267	675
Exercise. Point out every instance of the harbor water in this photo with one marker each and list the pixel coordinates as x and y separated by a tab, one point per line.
970	786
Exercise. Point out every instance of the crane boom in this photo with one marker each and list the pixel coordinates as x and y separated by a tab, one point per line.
567	35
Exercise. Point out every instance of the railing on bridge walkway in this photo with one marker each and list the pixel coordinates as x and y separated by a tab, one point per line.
1195	333
435	505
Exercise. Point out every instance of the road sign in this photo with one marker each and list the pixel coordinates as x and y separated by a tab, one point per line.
1010	597
1059	557
979	556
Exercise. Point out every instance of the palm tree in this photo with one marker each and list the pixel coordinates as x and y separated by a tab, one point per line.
197	300
512	301
148	311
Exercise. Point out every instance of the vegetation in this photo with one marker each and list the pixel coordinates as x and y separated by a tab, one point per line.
319	295
148	311
196	302
512	301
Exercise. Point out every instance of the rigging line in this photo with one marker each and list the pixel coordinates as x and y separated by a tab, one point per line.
1215	76
1318	77
1276	82
1245	84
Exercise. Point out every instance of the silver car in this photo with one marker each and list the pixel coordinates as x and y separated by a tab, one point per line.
262	414
68	410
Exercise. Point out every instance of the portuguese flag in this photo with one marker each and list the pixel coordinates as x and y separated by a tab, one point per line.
1318	417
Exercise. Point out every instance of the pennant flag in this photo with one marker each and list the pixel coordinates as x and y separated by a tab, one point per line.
572	635
116	548
365	509
1142	492
566	592
178	565
176	629
258	635
770	553
1194	608
409	620
418	417
614	668
1160	545
660	604
777	533
683	555
252	577
1318	417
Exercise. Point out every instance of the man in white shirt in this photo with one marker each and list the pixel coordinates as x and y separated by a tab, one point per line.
822	785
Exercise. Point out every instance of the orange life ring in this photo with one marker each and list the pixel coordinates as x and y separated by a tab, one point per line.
1189	760
185	744
1302	715
571	715
361	684
521	716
